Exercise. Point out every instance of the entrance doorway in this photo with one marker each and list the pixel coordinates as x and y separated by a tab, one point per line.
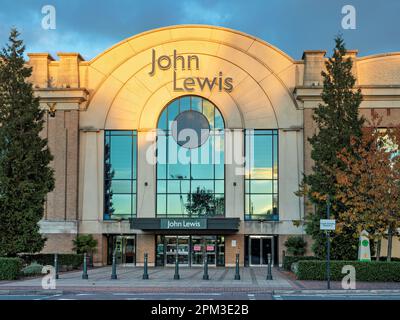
124	248
258	249
190	250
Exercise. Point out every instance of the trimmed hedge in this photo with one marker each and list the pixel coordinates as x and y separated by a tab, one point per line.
10	268
289	260
365	271
32	270
65	261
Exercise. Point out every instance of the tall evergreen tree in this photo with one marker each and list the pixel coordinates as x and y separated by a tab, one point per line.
25	175
338	120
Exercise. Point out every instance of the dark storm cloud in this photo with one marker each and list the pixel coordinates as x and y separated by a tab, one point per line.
90	27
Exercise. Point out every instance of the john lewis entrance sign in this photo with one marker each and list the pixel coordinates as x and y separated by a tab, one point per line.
189	62
183	224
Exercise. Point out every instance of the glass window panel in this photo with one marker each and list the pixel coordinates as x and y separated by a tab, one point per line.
122	203
162	121
276	186
134	183
162	149
120	133
247	204
219	204
121	157
178	186
219	186
173	111
134	204
262	161
207	185
184	104
162	171
134	142
202	171
247	186
121	186
176	204
197	104
275	157
208	111
161	204
161	186
218	120
260	204
219	171
261	186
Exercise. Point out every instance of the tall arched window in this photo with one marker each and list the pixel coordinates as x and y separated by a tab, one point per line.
190	159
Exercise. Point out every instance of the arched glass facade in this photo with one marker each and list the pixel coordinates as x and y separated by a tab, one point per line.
190	177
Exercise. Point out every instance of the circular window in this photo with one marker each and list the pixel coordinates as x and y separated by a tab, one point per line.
190	129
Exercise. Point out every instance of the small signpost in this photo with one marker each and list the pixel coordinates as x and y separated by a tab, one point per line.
328	225
364	250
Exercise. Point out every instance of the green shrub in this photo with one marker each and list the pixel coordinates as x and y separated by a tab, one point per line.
33	269
365	271
296	246
84	243
65	261
289	260
10	268
385	259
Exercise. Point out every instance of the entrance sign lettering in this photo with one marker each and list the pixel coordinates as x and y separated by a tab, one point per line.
189	62
183	224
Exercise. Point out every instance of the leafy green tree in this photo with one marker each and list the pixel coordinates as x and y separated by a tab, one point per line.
338	120
25	174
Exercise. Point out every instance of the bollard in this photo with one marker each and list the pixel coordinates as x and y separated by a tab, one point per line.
176	275
85	274
145	273
205	275
269	274
56	265
237	273
114	268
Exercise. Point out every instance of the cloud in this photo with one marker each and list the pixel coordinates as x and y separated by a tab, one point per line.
90	27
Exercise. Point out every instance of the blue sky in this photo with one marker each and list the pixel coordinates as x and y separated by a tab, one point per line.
89	27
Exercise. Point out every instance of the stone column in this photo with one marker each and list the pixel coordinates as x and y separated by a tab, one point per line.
146	174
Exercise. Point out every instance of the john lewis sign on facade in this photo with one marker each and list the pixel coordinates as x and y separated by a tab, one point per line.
183	224
189	62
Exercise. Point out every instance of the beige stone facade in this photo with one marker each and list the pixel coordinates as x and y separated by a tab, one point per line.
114	91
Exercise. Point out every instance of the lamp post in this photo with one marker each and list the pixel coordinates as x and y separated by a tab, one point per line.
328	246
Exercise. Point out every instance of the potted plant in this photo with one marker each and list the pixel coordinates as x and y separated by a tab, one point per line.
84	243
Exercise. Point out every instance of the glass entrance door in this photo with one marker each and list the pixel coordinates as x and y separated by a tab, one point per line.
197	250
125	249
259	247
177	245
191	250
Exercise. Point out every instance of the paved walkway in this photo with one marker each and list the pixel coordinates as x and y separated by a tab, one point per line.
161	279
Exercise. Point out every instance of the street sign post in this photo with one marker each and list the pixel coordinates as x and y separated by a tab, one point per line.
328	225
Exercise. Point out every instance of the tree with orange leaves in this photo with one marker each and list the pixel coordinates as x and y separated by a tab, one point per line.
369	183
